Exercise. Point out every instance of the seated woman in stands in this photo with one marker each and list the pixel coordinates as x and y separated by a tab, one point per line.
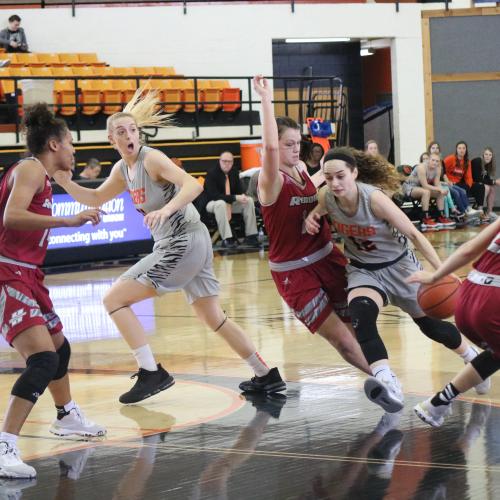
458	194
484	171
459	172
423	184
313	160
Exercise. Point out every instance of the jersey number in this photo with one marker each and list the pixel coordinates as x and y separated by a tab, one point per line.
363	245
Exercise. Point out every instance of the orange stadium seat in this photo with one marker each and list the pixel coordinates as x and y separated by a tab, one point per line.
164	71
7	86
62	71
127	88
41	71
25	59
174	95
144	71
70	59
190	96
111	97
64	97
90	59
103	71
83	71
123	71
90	97
230	94
49	59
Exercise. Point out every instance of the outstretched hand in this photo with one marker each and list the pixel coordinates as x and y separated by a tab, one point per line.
262	87
92	215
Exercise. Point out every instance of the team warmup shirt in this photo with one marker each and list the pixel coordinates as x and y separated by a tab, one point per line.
25	246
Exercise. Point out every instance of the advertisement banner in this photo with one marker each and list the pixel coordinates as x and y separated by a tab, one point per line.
120	223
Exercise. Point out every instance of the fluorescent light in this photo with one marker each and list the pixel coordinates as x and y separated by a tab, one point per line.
316	40
367	52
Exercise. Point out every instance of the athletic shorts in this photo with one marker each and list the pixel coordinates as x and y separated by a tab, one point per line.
316	290
181	263
24	301
390	281
477	315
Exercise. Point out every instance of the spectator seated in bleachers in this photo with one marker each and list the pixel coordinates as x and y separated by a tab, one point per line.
225	192
423	184
13	38
484	171
92	170
459	172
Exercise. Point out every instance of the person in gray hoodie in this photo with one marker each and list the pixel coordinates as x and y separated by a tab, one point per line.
13	38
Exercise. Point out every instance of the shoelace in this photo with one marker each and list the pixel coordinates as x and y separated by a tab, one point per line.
81	416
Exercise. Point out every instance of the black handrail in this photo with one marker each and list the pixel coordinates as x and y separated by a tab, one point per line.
331	105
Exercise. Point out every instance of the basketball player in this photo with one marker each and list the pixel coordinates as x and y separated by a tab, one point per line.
476	315
376	234
308	270
182	255
28	320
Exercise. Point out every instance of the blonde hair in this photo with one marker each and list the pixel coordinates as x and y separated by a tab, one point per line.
144	109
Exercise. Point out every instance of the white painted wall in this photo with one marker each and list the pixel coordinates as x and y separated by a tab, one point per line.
236	40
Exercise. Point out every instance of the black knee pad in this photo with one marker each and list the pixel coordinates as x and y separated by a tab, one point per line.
39	372
364	313
440	331
64	353
485	364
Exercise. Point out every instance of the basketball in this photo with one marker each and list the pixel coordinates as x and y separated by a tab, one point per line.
438	300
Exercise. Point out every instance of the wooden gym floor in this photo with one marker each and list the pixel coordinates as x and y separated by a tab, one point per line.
202	440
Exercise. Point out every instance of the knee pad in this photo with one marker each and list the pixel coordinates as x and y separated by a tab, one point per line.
440	331
485	364
64	353
39	372
364	313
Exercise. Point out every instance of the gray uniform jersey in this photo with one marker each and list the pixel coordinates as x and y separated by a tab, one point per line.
149	195
372	242
182	255
413	180
367	238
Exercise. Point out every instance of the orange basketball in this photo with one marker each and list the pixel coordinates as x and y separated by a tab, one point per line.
439	299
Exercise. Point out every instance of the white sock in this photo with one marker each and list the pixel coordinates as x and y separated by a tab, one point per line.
69	406
145	359
257	364
469	354
11	439
382	371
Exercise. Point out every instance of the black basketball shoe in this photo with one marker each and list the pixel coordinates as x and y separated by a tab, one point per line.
148	384
272	382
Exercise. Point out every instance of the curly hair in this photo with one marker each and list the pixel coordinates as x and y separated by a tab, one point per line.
374	170
39	125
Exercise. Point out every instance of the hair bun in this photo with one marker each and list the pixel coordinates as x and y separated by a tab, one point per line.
38	115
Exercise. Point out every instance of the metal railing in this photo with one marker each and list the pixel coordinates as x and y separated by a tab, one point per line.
184	4
329	107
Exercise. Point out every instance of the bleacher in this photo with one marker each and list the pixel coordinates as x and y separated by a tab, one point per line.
82	79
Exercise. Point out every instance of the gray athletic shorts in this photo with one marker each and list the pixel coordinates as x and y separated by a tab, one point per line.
391	281
183	263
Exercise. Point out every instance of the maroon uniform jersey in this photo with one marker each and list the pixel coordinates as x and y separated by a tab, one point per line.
489	262
25	246
284	221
